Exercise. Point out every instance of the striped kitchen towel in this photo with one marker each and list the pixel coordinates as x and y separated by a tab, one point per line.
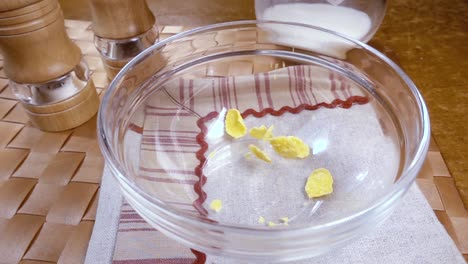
413	234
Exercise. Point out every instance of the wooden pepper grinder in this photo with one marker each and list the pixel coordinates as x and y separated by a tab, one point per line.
45	67
122	28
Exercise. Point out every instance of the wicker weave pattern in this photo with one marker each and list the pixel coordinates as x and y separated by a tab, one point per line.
49	182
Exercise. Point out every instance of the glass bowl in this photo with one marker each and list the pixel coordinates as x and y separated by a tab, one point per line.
358	19
161	130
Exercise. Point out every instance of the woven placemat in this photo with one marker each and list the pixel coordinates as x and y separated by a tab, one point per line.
49	182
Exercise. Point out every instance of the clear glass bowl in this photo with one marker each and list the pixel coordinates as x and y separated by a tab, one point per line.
358	19
161	130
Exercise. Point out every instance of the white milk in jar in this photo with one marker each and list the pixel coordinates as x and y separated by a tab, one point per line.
351	22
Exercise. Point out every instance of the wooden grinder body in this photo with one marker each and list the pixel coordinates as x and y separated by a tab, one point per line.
123	21
37	50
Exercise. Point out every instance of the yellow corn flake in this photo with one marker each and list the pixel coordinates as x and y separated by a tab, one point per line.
262	132
290	147
261	220
212	154
216	205
259	153
319	183
271	224
284	220
234	124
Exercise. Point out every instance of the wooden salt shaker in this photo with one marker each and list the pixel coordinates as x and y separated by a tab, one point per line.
45	67
122	28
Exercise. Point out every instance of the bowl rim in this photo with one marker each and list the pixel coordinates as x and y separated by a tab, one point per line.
398	188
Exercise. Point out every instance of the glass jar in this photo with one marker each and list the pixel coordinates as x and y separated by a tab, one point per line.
358	19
